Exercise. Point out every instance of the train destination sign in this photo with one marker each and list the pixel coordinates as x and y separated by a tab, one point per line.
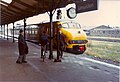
85	5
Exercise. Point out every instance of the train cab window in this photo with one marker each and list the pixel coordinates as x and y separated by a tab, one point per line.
74	25
65	25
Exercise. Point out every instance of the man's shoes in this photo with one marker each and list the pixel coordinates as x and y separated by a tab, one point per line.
21	62
18	62
57	60
24	61
41	56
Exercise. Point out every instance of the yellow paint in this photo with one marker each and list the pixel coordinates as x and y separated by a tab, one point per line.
69	34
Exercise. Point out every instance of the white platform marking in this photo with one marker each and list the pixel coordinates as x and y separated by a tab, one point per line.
99	62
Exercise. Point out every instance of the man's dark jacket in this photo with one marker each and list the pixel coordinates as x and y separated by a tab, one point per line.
22	45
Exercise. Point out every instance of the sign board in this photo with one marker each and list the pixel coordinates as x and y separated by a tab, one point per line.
86	5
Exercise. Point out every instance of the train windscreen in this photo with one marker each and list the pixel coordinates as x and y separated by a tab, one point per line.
71	25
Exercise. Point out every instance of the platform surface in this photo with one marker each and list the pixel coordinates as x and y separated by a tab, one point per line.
72	68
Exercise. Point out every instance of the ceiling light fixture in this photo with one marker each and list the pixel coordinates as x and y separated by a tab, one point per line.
7	1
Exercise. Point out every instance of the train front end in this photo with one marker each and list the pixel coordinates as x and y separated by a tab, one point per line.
75	37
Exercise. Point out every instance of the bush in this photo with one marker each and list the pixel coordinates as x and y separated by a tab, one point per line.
89	44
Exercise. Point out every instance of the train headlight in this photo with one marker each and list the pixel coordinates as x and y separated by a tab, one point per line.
78	41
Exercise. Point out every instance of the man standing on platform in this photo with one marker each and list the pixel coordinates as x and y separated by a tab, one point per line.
60	45
23	48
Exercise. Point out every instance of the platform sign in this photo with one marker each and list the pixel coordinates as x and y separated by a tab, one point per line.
86	5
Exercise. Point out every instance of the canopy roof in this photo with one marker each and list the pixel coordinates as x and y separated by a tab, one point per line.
20	9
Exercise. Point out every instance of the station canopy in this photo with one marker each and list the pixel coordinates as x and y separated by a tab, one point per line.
20	9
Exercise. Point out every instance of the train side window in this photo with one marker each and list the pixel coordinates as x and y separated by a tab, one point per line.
35	31
30	30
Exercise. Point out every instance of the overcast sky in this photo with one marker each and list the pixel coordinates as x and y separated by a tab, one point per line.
108	13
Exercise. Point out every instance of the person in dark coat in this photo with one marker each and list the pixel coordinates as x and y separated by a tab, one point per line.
23	48
61	43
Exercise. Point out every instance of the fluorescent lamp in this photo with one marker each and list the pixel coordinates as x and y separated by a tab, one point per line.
7	1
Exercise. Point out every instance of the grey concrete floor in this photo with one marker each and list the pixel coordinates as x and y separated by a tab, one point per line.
72	68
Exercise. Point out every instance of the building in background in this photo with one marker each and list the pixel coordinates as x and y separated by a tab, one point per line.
105	31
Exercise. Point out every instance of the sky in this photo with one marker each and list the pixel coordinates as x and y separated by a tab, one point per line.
108	13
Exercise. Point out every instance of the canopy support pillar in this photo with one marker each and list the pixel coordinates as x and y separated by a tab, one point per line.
4	31
51	35
7	31
24	28
13	32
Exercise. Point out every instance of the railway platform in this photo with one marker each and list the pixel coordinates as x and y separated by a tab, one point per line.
72	68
